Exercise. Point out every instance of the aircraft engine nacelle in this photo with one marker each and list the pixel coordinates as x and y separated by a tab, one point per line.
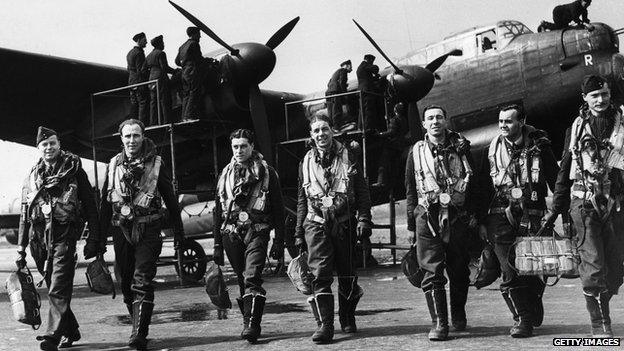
412	84
252	65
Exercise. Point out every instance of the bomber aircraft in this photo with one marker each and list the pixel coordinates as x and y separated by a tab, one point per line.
473	73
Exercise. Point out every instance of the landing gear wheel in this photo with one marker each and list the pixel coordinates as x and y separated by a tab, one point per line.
193	261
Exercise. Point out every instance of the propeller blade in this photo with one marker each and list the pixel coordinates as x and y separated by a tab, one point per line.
396	69
414	122
204	28
435	64
282	33
260	122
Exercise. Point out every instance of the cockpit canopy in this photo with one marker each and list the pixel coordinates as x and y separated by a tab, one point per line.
473	42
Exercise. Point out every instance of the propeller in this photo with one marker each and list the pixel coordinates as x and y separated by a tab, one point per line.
411	83
249	64
282	33
204	28
435	64
397	70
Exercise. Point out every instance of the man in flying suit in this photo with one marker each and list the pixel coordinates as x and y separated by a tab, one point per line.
158	67
440	209
575	11
592	171
250	205
56	200
520	166
337	85
138	73
190	58
331	190
367	76
136	183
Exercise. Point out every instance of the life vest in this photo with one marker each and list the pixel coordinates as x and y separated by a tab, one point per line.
315	185
592	159
501	172
428	185
146	201
63	209
256	205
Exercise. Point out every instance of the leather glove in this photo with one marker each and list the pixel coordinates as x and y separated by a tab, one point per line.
462	146
483	233
301	245
277	249
20	262
412	238
178	239
364	230
549	218
217	255
91	249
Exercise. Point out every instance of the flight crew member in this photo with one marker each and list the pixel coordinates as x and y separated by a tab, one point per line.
331	189
190	58
337	85
158	67
394	143
136	183
138	73
592	172
250	205
56	199
575	11
521	165
367	75
440	209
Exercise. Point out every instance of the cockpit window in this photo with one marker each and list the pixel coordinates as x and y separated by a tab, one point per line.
487	40
511	29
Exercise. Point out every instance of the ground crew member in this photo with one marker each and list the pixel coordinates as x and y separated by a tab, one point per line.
137	181
138	73
368	75
331	189
250	205
338	85
592	170
440	208
190	58
520	165
575	11
158	67
56	200
392	147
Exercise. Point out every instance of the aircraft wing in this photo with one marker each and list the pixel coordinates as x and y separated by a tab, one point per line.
51	91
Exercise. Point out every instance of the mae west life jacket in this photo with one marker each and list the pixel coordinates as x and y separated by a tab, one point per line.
256	205
145	201
64	208
429	187
503	177
592	159
316	187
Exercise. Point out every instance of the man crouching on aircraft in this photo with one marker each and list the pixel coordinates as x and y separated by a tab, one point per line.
592	169
521	164
249	205
440	206
55	195
331	189
137	181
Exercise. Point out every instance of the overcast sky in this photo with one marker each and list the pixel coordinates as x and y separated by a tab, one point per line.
101	31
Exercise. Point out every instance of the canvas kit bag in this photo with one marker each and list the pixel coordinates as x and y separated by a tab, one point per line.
24	298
